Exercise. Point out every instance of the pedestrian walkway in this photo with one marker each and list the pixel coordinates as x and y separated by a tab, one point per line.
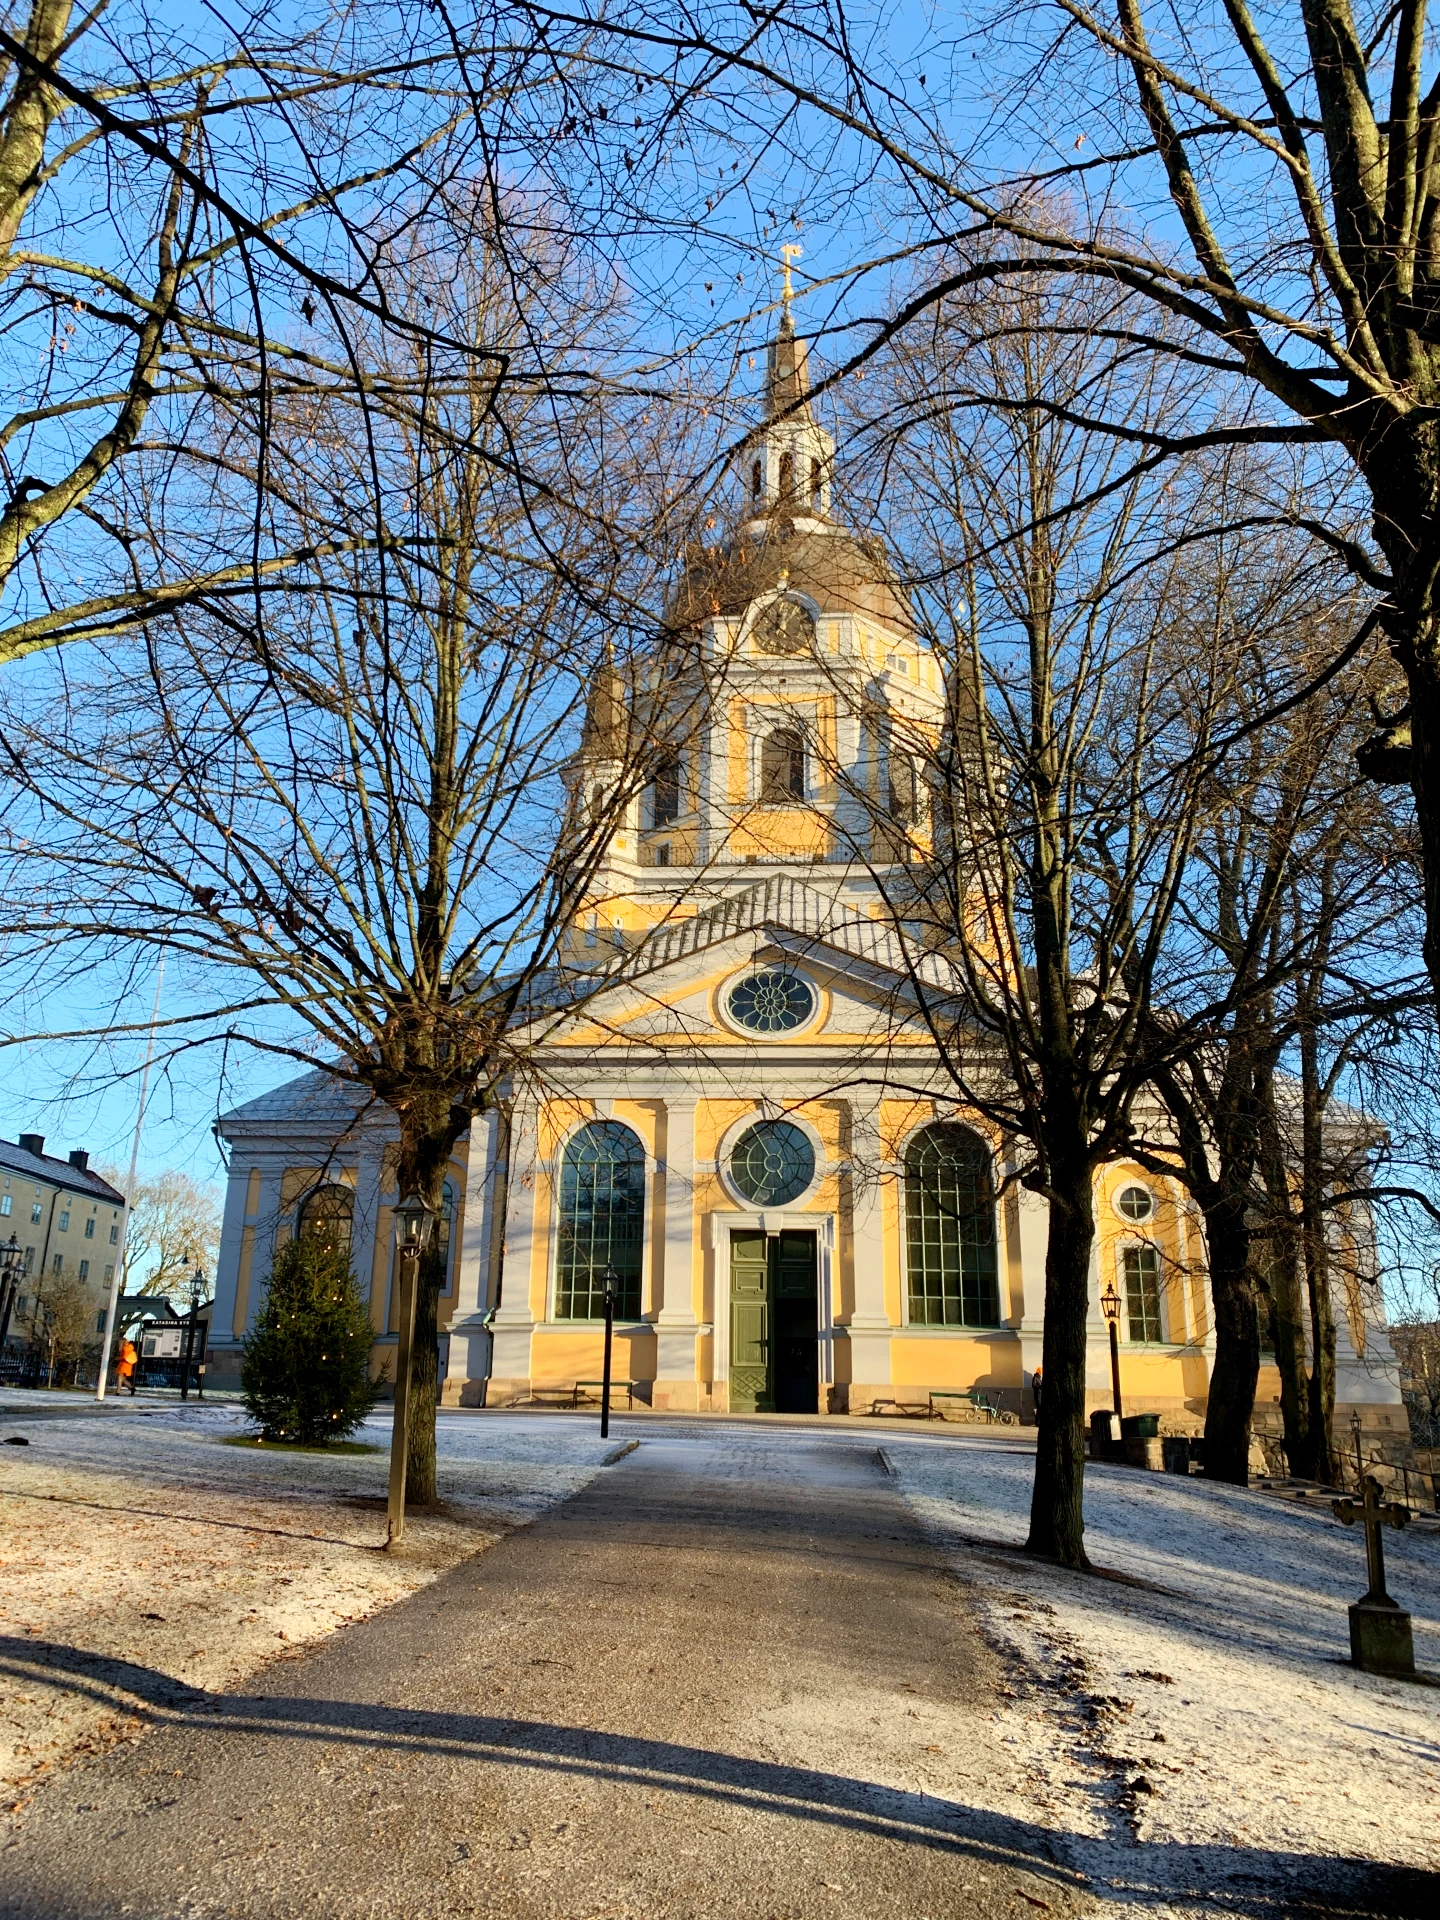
705	1685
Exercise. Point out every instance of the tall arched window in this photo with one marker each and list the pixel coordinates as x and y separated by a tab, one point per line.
444	1231
787	476
782	768
950	1230
329	1213
602	1222
665	792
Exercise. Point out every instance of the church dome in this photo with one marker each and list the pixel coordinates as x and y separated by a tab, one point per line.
839	572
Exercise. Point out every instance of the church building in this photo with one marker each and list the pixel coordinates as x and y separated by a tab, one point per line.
750	1134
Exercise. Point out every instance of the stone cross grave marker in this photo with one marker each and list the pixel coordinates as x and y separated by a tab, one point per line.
1381	1640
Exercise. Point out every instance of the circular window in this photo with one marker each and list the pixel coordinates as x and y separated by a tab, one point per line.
771	1001
772	1163
1135	1203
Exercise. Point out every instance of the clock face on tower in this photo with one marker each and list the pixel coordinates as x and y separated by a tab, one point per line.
784	627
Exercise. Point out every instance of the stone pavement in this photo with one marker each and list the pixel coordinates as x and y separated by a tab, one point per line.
696	1688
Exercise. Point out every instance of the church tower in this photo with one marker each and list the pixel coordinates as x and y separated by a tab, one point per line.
801	757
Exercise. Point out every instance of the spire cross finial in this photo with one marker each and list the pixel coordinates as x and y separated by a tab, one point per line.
788	253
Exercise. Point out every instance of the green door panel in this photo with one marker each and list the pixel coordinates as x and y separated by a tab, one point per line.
751	1383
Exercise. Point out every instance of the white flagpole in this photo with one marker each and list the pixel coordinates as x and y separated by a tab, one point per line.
117	1286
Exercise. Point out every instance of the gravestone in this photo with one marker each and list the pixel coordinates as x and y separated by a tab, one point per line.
1381	1640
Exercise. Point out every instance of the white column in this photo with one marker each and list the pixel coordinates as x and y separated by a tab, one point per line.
869	1322
676	1324
468	1353
227	1266
514	1323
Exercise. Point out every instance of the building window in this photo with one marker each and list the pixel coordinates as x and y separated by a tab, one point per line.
1142	1293
100	1321
1135	1203
787	476
57	1266
90	1228
665	794
662	854
29	1259
782	768
109	1272
65	1221
329	1213
444	1230
35	1211
770	1001
772	1163
114	1234
817	482
84	1269
950	1230
904	795
4	1203
757	479
602	1222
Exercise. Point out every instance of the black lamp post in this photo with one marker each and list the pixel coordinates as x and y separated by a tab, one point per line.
612	1281
197	1294
415	1218
12	1266
1110	1301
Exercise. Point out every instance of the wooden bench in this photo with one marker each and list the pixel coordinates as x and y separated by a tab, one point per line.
597	1387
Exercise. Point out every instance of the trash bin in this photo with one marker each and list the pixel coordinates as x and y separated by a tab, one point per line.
1140	1426
1176	1449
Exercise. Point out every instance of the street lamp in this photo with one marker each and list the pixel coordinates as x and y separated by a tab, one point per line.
415	1218
12	1266
197	1294
1110	1301
612	1283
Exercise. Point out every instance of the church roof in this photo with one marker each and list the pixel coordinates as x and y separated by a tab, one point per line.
840	571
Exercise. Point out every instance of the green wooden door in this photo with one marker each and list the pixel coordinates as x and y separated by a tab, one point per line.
752	1387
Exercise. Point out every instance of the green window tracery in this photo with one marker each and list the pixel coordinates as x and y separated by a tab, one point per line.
602	1222
950	1230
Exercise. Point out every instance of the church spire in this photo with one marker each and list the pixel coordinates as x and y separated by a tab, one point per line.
790	472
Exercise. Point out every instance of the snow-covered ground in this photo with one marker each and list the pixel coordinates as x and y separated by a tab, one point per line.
135	1536
1201	1736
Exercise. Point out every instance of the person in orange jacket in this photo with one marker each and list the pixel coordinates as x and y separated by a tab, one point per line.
125	1366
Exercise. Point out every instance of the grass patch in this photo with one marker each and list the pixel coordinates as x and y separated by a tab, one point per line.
294	1446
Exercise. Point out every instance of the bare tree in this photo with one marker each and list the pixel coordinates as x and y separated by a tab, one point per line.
193	235
1066	793
353	826
172	1226
1294	911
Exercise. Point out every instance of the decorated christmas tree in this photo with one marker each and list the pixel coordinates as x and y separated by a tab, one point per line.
306	1372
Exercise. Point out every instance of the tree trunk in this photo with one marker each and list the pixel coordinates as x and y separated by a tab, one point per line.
1231	1401
420	1471
1057	1517
1285	1293
1317	1257
429	1128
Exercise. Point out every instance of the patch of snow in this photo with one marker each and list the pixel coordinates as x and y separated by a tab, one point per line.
1201	1736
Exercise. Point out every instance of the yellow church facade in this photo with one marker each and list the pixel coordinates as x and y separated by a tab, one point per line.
742	1126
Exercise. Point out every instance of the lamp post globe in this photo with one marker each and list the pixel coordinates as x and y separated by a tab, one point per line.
416	1217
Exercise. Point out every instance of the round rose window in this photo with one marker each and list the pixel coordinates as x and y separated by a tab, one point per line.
770	1001
772	1163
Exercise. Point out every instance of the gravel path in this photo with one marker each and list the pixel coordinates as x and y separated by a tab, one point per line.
728	1676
